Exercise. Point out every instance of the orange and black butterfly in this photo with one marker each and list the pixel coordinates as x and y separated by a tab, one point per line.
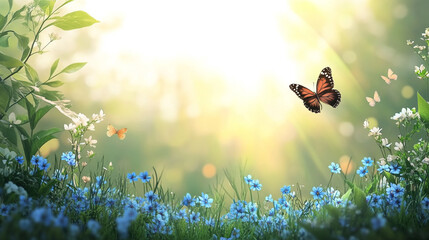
325	92
111	131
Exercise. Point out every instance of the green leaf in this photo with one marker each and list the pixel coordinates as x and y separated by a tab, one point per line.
371	187
9	62
31	73
41	112
346	195
423	109
8	132
359	197
17	14
4	99
43	4
31	112
22	41
10	4
46	188
54	83
25	53
3	20
54	67
74	20
73	67
42	137
4	39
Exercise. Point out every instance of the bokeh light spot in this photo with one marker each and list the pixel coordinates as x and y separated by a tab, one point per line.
346	129
50	146
346	165
209	170
407	92
372	122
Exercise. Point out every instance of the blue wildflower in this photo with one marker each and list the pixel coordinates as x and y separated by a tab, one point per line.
383	168
19	159
181	214
194	217
70	158
144	176
374	200
4	210
42	215
205	201
425	203
25	224
151	196
362	171
269	198
44	165
395	168
285	189
248	179
35	160
335	168
378	221
61	220
317	193
210	222
132	177
367	161
255	186
93	227
235	233
74	230
188	200
396	190
282	201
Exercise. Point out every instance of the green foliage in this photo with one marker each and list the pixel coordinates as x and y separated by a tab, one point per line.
74	20
20	84
423	107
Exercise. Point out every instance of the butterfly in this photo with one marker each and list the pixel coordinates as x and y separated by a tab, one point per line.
325	92
390	76
372	101
111	131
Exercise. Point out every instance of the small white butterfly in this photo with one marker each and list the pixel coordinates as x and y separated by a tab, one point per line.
372	101
390	76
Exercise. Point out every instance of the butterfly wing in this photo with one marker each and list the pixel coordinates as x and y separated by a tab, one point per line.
110	130
370	101
376	97
308	97
121	133
387	80
391	75
325	88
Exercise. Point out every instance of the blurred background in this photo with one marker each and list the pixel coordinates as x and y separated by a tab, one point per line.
203	86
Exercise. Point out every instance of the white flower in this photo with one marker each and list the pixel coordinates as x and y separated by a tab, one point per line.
398	146
10	187
426	160
391	158
409	42
382	162
419	69
98	117
375	131
12	118
91	127
91	142
81	120
89	153
365	124
71	126
385	142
